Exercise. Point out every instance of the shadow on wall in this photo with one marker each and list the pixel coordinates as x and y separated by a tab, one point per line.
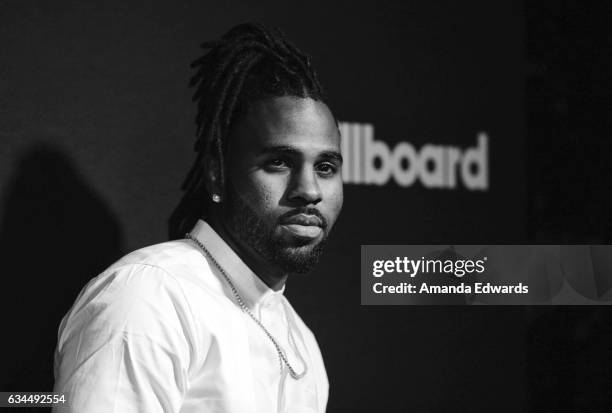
56	234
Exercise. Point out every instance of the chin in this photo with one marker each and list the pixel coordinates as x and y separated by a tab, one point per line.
299	259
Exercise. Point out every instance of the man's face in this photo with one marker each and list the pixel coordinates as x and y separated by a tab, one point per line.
284	186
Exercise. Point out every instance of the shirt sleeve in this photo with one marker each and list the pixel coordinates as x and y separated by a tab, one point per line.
126	345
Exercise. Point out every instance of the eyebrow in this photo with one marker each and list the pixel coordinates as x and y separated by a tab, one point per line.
289	150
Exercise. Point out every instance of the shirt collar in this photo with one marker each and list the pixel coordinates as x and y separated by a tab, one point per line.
250	287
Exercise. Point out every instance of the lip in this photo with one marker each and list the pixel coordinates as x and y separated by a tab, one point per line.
308	232
303	220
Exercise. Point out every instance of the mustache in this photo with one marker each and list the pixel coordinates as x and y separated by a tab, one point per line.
306	211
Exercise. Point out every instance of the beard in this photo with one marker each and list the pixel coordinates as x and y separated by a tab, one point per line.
297	257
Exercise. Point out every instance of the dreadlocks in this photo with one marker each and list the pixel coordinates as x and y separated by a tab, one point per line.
250	62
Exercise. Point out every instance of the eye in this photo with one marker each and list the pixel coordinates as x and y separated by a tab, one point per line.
276	164
326	169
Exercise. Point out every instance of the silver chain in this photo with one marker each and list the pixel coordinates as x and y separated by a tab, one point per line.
281	354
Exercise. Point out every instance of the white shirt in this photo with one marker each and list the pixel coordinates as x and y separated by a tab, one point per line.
161	331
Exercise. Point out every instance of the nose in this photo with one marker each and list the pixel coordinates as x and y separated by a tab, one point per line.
305	187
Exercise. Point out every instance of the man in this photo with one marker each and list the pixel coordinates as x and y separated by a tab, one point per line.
201	324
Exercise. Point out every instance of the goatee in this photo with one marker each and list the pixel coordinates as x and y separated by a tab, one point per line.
296	258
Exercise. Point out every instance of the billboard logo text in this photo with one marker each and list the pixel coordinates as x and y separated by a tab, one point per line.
371	162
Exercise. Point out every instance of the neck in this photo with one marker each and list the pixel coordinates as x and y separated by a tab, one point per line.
271	275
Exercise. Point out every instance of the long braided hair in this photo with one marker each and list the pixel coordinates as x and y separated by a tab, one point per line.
250	62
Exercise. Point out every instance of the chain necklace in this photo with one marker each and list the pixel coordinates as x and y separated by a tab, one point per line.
281	354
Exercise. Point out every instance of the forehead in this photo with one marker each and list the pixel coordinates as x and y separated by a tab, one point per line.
302	123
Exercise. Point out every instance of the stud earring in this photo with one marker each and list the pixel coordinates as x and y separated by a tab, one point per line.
216	198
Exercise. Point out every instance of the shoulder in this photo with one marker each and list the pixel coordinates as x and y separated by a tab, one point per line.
155	284
172	257
146	294
168	275
145	273
137	294
169	265
135	312
173	278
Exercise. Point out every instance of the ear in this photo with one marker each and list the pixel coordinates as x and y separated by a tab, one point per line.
213	178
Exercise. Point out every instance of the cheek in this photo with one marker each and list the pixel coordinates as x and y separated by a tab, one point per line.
260	192
335	198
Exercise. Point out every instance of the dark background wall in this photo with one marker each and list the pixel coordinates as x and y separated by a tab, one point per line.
568	93
96	126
